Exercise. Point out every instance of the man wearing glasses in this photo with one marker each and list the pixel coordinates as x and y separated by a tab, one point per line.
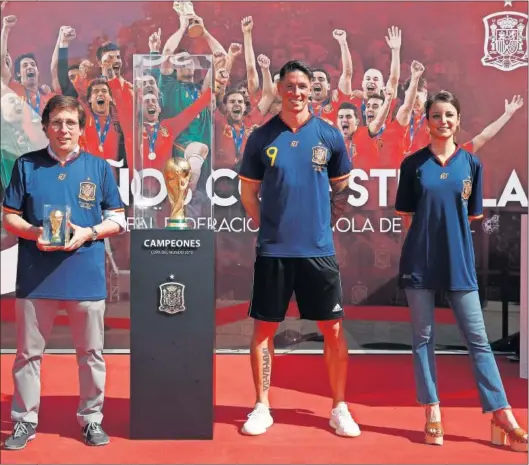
68	275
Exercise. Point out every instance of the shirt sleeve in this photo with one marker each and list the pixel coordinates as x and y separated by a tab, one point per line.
475	201
67	87
16	191
339	166
252	167
405	204
111	199
181	121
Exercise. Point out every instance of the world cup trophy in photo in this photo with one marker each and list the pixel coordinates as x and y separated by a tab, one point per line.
177	175
195	29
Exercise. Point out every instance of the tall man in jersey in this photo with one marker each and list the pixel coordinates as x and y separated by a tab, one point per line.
71	277
289	162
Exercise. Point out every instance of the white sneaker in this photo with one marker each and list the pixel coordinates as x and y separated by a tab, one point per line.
342	421
258	421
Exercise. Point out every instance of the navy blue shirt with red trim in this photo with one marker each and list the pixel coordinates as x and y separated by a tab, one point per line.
438	251
86	184
294	168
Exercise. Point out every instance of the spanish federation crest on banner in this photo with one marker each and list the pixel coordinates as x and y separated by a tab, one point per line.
505	40
172	297
491	225
358	293
382	258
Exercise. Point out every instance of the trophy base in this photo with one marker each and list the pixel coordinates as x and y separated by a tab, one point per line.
178	224
195	30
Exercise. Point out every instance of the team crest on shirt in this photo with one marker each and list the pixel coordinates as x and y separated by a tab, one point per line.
380	143
164	131
327	108
467	189
87	191
319	157
505	40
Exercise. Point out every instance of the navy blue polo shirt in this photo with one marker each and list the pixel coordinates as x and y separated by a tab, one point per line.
294	169
438	252
87	185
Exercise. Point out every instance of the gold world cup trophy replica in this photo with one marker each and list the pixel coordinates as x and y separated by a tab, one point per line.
195	29
177	175
56	218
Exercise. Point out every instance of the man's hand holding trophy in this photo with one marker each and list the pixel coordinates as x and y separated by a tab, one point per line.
55	231
196	25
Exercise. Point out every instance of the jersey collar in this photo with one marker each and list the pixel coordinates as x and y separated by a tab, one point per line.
70	157
309	119
449	159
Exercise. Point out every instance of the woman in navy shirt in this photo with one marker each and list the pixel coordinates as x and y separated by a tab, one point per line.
441	189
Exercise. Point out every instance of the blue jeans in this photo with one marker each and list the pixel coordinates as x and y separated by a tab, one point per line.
467	310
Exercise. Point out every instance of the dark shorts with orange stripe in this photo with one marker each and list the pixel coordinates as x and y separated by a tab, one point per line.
315	282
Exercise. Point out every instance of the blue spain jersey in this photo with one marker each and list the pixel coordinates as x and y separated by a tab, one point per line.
86	184
438	252
295	168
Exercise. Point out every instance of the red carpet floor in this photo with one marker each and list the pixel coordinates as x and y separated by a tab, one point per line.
380	392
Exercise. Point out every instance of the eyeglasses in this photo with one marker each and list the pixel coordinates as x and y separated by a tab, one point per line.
57	124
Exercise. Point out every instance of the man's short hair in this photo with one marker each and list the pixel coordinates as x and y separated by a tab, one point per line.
229	92
321	70
295	65
97	82
377	96
18	61
349	106
63	102
104	48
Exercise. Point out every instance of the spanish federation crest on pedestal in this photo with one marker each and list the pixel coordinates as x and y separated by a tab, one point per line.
505	41
172	297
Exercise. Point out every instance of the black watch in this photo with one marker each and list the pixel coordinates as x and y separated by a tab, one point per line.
94	233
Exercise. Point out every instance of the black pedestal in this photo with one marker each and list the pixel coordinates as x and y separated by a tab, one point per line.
172	350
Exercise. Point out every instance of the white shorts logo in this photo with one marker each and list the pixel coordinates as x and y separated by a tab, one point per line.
505	40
